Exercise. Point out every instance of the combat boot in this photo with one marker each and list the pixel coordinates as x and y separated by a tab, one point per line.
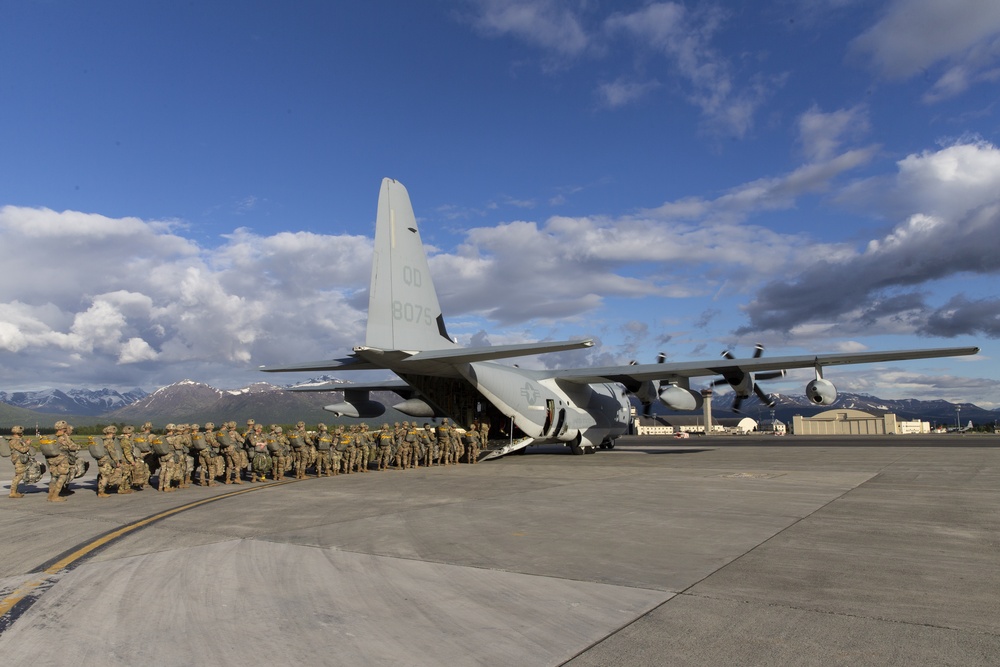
15	494
54	496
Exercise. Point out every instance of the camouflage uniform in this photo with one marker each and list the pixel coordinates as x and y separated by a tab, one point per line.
187	459
444	443
457	448
146	459
369	437
345	445
366	452
109	467
278	456
201	449
20	452
232	450
300	453
427	444
129	461
472	438
60	465
384	446
167	466
404	447
216	464
261	462
324	445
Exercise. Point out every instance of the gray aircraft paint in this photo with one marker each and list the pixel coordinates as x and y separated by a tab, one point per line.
582	407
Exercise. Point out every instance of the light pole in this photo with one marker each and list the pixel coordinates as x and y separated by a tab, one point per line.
958	419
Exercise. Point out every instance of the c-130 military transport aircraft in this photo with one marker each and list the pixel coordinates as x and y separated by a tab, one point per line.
583	408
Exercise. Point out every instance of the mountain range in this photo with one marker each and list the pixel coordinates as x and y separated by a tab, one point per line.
189	401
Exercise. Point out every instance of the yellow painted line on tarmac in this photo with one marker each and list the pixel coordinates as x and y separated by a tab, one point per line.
25	589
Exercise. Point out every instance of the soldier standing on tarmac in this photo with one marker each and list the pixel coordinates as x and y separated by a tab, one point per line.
231	451
404	450
20	452
60	464
147	457
324	443
383	455
427	444
109	470
278	457
167	466
206	455
457	448
301	454
130	463
472	439
215	462
444	442
339	455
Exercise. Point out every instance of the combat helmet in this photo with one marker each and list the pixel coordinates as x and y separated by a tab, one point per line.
61	425
17	430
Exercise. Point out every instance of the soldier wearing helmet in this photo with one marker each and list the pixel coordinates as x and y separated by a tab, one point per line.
131	459
216	462
60	455
20	454
108	467
324	443
167	466
384	441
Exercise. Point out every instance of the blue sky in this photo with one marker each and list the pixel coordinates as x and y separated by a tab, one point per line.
189	190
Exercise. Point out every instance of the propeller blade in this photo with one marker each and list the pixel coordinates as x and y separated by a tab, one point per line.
727	354
759	350
661	357
716	383
770	375
764	398
737	402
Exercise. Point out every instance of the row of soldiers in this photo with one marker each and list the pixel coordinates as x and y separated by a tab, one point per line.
127	461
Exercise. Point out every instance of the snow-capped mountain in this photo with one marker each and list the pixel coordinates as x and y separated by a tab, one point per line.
89	402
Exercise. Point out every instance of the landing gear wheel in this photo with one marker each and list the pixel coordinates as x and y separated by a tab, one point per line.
576	449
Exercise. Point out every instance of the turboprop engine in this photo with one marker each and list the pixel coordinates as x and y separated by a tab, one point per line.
821	392
678	398
356	404
416	407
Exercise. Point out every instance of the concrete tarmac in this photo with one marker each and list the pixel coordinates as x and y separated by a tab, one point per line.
706	551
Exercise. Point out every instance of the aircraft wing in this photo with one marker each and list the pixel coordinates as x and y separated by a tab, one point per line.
632	375
351	363
462	355
398	386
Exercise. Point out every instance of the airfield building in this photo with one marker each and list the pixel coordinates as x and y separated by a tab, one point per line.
856	422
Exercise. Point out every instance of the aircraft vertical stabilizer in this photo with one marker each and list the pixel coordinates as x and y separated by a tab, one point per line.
403	308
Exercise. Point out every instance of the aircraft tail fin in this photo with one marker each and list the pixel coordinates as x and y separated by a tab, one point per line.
403	308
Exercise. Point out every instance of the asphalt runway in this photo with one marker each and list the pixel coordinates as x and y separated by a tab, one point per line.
706	551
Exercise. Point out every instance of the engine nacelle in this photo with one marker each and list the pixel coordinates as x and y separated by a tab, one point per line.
677	398
821	392
416	407
361	409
